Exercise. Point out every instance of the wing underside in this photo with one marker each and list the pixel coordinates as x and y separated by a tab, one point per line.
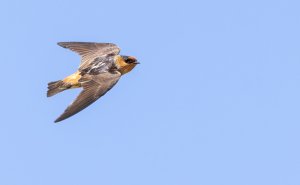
93	88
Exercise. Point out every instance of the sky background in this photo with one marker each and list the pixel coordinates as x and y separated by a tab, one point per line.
215	100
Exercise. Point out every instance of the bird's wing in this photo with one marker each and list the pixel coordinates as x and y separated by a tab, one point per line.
94	86
90	50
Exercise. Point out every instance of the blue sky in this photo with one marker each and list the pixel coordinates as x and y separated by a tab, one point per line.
215	101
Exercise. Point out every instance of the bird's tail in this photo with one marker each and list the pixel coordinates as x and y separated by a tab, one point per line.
69	82
56	87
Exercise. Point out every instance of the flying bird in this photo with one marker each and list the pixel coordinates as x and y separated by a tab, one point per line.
100	69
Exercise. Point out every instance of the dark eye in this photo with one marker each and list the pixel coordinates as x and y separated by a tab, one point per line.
129	61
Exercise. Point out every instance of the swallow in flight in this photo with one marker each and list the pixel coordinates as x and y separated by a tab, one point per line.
100	69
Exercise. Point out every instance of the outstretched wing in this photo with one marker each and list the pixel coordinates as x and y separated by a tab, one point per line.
94	86
90	50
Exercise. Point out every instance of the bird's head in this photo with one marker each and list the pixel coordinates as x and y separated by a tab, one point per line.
130	60
126	64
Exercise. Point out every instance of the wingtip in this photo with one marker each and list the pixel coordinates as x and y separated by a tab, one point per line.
57	120
62	44
60	118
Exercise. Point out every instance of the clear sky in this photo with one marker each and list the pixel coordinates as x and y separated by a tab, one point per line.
215	100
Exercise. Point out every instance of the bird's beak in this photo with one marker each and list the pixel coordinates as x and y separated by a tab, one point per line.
136	62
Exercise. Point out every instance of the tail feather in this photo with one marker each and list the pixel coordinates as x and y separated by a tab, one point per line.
55	87
61	85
